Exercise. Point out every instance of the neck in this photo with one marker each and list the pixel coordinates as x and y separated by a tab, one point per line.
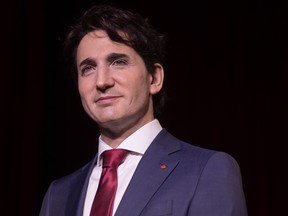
114	137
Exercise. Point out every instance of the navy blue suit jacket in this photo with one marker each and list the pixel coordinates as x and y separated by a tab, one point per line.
195	182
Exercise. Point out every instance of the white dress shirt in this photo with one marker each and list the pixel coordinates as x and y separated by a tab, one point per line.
137	143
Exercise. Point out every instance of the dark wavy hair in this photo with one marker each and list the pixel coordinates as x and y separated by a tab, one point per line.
139	35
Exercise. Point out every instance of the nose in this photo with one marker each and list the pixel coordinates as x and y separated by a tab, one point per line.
104	80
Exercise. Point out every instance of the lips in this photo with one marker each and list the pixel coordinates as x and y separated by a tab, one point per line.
107	99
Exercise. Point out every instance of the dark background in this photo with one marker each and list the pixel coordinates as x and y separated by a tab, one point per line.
226	78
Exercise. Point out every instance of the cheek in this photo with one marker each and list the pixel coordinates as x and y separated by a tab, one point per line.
84	88
141	90
80	87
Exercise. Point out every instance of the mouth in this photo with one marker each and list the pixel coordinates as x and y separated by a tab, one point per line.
106	100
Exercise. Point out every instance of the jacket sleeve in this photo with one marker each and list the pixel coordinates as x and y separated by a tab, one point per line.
219	191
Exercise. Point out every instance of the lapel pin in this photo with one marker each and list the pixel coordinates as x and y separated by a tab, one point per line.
163	166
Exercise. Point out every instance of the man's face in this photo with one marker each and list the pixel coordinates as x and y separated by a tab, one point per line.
114	84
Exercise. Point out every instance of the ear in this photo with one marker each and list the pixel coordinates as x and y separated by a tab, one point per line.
156	79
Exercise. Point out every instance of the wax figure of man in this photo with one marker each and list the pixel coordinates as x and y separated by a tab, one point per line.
118	58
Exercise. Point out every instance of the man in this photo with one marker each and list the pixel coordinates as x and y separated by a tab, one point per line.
118	58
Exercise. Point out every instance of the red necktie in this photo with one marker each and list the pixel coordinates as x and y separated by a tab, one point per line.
104	198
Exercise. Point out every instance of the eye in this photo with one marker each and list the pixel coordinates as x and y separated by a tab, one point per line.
119	62
86	69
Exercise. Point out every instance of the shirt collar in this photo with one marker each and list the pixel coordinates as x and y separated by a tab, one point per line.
138	142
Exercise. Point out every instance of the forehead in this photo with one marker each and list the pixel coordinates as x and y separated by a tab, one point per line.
96	34
97	44
101	35
95	38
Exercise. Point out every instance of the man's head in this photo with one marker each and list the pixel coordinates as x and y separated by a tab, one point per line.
122	27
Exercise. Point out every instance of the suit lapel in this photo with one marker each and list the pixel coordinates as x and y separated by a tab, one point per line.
75	202
152	170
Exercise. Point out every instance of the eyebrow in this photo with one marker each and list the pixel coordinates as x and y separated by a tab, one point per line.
87	61
110	58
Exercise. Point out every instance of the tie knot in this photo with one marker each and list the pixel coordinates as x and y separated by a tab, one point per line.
113	157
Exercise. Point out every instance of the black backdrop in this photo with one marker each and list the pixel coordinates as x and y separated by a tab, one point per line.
226	78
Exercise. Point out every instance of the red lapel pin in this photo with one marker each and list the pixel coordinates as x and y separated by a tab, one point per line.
163	166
